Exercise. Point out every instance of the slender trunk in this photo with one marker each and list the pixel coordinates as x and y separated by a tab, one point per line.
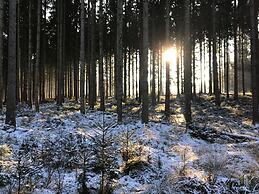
210	68
187	66
201	68
1	54
18	65
82	57
243	63
235	55
92	74
167	31
255	59
129	73
101	56
119	60
11	83
193	70
144	72
215	66
37	66
178	65
125	75
154	78
30	68
60	97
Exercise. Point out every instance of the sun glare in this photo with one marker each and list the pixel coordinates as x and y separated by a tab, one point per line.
170	55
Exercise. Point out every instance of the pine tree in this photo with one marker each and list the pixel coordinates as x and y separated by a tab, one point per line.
101	73
11	83
187	66
119	60
215	65
144	72
167	31
1	54
36	79
82	58
255	59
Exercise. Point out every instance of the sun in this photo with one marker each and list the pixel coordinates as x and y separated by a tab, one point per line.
170	55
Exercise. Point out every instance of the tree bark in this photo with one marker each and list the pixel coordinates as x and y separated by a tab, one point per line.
187	66
82	57
215	65
119	60
144	72
1	54
255	59
101	56
235	54
11	83
92	73
36	73
167	33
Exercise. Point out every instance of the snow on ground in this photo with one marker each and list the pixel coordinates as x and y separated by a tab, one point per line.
170	153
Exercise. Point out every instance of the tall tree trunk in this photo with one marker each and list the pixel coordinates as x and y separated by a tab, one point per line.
36	73
167	31
1	54
144	72
125	75
92	73
60	97
243	62
201	68
187	66
154	78
178	53
119	60
11	83
255	59
18	65
193	69
215	66
30	68
101	74
210	68
235	54
82	57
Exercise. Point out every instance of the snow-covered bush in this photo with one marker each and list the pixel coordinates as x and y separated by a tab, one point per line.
213	160
131	152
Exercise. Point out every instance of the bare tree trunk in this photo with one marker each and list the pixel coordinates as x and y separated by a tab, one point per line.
18	47
215	66
11	83
210	68
201	68
144	72
187	66
119	60
30	68
235	54
178	64
101	74
1	54
82	57
167	31
254	59
36	73
243	63
154	77
193	69
60	97
92	73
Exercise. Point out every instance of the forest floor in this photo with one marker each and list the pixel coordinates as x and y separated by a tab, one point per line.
161	157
